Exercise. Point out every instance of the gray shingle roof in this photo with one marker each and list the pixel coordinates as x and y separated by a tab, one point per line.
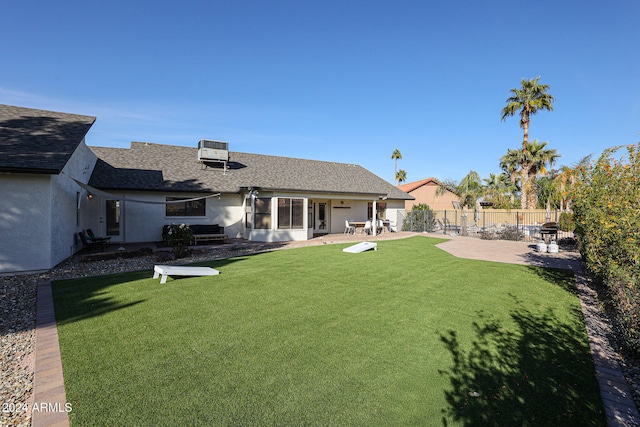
39	141
147	166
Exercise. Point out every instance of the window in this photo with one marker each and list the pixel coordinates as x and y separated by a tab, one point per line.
262	215
290	213
381	210
248	214
187	208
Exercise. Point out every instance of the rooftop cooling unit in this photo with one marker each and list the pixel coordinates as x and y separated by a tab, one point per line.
216	151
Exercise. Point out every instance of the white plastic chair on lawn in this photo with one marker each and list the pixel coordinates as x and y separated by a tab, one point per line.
380	226
348	228
367	227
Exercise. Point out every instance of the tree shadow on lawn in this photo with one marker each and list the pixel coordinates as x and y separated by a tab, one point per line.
84	298
88	297
563	278
538	373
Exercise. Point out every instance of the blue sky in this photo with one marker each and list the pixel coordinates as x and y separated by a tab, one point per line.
345	81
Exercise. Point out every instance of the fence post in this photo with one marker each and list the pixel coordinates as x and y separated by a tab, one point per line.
424	221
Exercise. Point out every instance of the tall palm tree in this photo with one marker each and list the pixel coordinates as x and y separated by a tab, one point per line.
527	101
401	176
510	163
395	156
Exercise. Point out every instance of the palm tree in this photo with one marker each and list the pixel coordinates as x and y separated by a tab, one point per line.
526	101
536	160
566	180
510	163
547	190
498	189
469	190
401	176
395	156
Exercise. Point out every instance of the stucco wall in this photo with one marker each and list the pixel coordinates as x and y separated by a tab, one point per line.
39	215
66	220
25	223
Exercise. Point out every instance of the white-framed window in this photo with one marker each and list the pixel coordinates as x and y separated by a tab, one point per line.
262	213
186	208
290	213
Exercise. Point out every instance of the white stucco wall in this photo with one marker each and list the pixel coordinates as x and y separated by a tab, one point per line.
66	221
25	223
39	216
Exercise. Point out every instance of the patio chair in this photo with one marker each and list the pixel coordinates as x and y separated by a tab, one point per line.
472	228
450	227
92	237
88	244
367	228
348	228
380	227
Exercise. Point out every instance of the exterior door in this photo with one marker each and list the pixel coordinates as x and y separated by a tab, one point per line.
113	215
322	223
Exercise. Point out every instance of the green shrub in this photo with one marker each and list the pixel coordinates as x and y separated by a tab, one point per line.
179	238
606	204
421	218
567	222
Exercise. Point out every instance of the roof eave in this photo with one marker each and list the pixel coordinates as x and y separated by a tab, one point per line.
36	171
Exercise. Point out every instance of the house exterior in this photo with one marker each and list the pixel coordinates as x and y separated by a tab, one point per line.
261	197
39	212
55	185
424	191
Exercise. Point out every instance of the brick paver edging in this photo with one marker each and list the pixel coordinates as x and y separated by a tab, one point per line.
616	395
48	381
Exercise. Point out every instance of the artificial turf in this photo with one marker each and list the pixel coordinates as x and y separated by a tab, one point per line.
406	335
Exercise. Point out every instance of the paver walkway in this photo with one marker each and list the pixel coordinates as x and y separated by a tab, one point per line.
616	395
48	382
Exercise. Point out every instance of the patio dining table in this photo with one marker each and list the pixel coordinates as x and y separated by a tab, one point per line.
360	224
356	225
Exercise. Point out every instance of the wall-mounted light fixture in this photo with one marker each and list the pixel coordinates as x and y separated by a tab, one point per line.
89	196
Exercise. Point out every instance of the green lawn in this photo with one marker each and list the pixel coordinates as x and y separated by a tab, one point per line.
406	335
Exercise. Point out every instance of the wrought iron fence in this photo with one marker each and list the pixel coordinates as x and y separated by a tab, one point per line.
523	225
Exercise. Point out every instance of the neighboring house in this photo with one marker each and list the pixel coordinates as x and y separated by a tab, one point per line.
424	191
45	167
40	205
